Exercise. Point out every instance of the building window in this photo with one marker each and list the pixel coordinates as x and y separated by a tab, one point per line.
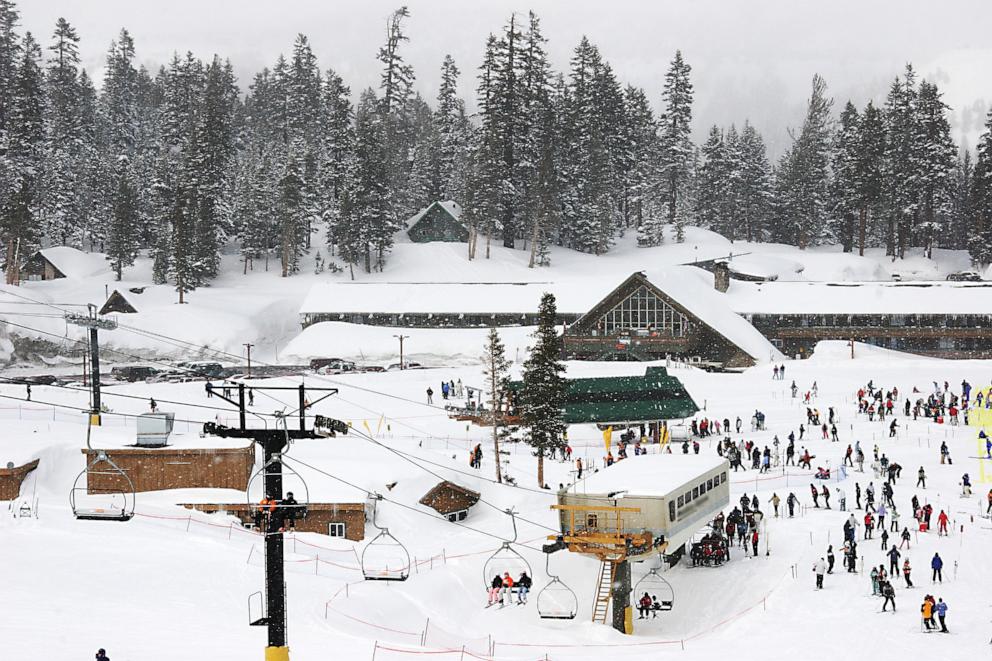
671	511
592	521
335	529
709	484
457	516
681	501
695	492
643	311
723	477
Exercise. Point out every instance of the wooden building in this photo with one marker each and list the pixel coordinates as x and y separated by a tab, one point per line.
175	468
440	221
11	478
345	520
117	303
639	320
450	500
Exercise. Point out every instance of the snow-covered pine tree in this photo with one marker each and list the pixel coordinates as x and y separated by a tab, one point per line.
937	161
25	139
676	144
980	238
901	164
754	197
844	187
453	133
804	174
122	247
542	398
372	211
398	117
338	142
10	48
959	227
62	162
496	372
182	266
291	208
712	182
869	172
639	205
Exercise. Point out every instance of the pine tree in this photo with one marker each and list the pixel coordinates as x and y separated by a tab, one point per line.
122	247
453	132
755	192
901	163
496	371
803	174
713	183
676	144
338	142
640	201
543	393
182	266
980	239
397	118
869	170
844	186
937	156
10	49
956	238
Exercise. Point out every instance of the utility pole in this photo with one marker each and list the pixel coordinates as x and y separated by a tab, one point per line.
249	345
401	338
273	442
91	322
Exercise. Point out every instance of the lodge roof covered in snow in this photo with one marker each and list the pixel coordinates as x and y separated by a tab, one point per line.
652	475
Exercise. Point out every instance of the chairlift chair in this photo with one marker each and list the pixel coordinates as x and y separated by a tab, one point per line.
506	559
116	503
655	586
384	558
556	601
257	484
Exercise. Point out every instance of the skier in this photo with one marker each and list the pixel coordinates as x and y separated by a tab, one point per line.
494	588
906	569
430	395
819	568
578	467
937	564
890	596
921	480
251	397
875	587
842	499
894	556
826	496
904	538
941	609
792	501
643	606
815	494
927	611
942	524
775	500
857	494
507	591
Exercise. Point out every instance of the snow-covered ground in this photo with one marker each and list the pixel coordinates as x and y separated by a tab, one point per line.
170	584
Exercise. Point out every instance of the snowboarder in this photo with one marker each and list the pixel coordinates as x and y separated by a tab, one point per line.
819	568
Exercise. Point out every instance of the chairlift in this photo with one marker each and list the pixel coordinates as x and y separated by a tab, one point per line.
506	560
556	601
290	482
111	503
656	587
384	558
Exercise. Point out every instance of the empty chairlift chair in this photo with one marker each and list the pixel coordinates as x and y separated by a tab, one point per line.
111	500
556	601
384	558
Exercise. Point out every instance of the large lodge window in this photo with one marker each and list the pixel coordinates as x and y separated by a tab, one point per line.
642	310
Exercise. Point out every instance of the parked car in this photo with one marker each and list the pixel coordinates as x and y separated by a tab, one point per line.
897	277
337	367
409	365
203	369
965	276
133	373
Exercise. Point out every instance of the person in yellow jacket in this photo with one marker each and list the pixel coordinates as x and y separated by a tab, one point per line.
927	610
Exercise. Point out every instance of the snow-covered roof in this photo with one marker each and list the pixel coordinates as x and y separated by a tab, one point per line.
75	263
649	475
692	288
453	208
860	297
442	297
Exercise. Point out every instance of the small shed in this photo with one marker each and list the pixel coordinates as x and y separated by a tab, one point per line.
117	303
441	221
11	478
451	500
62	262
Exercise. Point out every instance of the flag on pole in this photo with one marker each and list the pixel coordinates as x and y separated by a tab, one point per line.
608	437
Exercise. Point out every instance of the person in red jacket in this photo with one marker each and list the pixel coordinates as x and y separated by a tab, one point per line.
942	523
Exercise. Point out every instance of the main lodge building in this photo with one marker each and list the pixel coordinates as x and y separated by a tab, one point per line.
687	313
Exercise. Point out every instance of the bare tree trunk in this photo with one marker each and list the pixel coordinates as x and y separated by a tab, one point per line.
535	234
489	239
540	468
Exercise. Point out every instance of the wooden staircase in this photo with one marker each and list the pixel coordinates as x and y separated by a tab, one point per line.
604	590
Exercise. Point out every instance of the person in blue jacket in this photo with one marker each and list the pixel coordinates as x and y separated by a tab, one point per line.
937	564
941	609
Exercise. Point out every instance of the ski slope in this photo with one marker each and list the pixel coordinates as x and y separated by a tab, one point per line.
174	584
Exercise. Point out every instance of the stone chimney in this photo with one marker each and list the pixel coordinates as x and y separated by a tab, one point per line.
721	276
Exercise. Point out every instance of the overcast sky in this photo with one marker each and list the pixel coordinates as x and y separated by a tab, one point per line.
751	59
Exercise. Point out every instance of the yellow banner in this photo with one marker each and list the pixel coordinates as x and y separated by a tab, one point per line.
608	437
367	428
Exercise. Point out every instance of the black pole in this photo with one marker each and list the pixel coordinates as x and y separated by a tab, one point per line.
95	370
303	408
241	405
275	580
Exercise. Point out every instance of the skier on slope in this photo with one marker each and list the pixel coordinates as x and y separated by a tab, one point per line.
819	568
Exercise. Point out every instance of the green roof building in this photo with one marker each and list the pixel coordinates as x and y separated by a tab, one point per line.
438	222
